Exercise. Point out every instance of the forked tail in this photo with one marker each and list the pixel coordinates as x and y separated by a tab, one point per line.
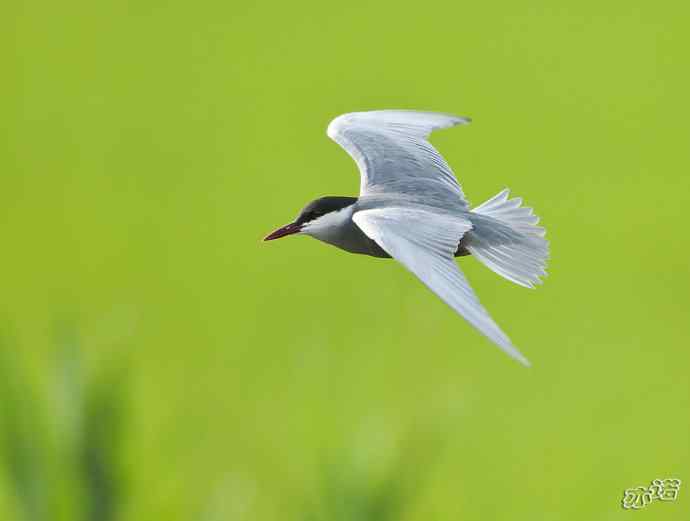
505	237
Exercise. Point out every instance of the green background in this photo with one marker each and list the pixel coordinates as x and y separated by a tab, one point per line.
160	362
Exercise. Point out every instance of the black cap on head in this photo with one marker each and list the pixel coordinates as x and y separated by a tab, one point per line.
314	210
322	206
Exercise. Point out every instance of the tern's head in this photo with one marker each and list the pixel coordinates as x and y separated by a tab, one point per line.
321	214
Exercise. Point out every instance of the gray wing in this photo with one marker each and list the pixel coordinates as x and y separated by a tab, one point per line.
391	149
425	242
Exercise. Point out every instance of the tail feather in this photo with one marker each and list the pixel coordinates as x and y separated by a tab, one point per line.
508	241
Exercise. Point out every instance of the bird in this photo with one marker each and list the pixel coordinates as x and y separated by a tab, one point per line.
411	208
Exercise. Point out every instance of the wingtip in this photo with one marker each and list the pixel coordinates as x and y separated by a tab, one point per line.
524	361
513	351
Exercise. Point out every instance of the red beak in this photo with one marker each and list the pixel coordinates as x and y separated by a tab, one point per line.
284	231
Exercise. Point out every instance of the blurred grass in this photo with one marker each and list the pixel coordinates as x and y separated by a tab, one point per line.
20	430
63	447
146	150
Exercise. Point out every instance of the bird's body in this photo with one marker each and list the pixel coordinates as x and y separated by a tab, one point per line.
342	232
412	208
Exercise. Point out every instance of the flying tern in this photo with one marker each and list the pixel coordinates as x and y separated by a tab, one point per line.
412	208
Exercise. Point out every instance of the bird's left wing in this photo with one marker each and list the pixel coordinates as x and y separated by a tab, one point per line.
424	242
392	151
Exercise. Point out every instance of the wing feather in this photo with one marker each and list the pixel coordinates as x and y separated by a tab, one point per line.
425	242
391	150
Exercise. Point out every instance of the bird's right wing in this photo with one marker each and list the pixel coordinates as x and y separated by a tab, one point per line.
391	150
425	243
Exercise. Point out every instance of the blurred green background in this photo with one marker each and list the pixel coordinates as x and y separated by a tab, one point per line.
158	361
